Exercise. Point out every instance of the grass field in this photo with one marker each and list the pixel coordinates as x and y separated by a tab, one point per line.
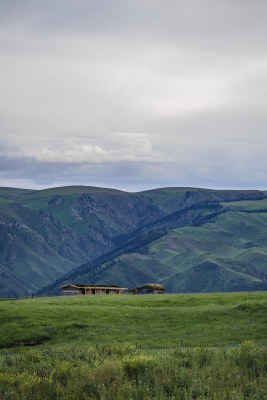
89	347
83	321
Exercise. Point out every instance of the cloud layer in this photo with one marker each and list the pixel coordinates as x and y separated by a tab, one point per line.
133	94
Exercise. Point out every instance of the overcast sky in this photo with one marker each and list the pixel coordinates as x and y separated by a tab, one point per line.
133	94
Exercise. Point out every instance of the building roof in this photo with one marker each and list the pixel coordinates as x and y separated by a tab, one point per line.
155	286
89	285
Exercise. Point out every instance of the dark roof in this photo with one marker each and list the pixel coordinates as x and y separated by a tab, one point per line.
155	286
84	285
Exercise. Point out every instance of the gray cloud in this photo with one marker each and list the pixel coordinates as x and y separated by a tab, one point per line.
133	94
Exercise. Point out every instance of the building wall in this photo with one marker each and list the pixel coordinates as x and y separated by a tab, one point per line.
150	291
70	291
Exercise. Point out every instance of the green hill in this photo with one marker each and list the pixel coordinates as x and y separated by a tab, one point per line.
227	254
46	233
103	235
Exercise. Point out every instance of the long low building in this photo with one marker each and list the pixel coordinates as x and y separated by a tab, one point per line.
83	289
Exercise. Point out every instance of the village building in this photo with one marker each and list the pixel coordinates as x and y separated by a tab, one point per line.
150	288
84	289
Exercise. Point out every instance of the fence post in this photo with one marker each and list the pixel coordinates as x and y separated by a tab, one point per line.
181	344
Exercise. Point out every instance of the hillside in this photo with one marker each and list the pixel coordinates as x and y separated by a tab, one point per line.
49	233
46	233
227	254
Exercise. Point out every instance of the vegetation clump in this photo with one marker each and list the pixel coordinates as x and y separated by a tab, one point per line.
117	372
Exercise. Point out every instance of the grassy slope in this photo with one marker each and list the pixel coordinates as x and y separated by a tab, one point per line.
229	254
82	321
33	251
172	198
14	192
57	229
43	199
248	205
42	238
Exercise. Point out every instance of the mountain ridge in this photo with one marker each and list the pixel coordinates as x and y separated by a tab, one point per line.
47	233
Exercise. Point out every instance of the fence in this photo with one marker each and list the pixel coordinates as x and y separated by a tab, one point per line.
166	350
45	353
139	349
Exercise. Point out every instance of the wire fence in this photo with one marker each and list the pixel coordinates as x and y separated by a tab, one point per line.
139	349
166	350
45	353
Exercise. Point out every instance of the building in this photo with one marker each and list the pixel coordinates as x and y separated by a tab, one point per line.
150	288
80	289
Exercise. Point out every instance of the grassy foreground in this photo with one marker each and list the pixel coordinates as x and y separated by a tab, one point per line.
85	347
84	321
115	372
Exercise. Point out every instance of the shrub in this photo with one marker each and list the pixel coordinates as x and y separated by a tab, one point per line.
136	366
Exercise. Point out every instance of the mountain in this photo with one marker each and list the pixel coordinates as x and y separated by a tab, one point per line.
227	253
97	235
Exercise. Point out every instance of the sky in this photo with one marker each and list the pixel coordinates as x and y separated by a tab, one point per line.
133	94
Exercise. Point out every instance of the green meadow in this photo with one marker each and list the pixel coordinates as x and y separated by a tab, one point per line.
83	347
83	321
